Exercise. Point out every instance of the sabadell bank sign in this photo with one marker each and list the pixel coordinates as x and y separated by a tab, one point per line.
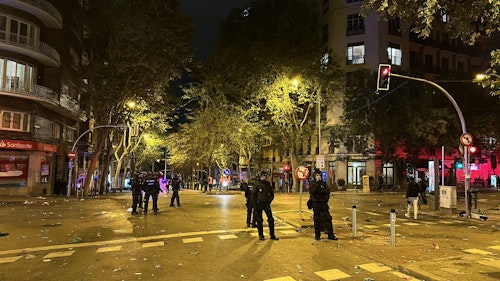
26	145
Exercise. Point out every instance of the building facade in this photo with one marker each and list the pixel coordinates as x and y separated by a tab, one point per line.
364	43
41	55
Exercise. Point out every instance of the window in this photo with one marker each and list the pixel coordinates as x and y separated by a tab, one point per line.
56	131
326	6
445	63
324	33
355	172
394	53
395	26
356	53
15	121
18	31
70	134
460	66
16	76
355	24
429	61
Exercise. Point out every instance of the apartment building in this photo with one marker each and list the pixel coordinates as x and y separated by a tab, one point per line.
41	55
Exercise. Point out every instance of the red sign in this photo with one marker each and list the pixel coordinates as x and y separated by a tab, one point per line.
26	145
302	172
72	155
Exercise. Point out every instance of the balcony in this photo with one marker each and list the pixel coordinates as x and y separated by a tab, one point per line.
43	95
23	45
42	9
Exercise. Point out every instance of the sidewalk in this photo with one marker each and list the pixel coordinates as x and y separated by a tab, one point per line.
416	256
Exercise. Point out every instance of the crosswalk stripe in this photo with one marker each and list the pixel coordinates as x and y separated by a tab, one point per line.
58	254
192	240
10	259
109	249
374	267
286	278
229	236
332	274
477	251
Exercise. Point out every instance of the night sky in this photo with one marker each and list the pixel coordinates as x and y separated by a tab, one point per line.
208	14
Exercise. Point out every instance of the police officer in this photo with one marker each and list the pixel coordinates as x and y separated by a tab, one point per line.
136	194
248	187
320	194
176	186
151	189
262	196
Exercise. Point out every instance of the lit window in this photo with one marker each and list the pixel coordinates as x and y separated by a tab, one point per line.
394	54
356	53
15	121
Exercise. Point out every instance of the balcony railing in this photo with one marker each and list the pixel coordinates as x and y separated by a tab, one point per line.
44	6
15	87
17	40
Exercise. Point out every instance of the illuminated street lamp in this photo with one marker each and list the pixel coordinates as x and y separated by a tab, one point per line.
482	76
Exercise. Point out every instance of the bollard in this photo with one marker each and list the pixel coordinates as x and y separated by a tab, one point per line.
393	227
354	221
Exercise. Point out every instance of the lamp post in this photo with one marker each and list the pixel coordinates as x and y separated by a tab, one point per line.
72	154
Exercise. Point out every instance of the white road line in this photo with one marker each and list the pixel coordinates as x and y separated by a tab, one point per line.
128	240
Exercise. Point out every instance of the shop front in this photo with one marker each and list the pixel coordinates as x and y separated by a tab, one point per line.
26	168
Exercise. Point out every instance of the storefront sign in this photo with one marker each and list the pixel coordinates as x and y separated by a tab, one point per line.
27	145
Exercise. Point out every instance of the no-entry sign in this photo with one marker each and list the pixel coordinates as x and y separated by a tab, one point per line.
72	154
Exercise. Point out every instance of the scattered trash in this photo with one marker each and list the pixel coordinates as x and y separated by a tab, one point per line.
243	276
368	279
45	203
345	218
356	269
75	240
435	246
473	227
52	224
462	214
4	233
117	269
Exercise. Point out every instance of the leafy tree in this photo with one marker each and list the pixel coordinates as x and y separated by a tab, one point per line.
470	21
263	49
138	48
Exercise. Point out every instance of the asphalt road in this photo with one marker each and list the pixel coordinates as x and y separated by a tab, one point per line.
98	239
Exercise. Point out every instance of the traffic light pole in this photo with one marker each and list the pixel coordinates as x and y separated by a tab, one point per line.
464	130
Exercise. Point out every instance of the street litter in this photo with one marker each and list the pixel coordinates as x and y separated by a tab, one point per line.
473	227
75	240
435	246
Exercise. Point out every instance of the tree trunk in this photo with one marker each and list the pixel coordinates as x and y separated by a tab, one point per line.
105	171
94	160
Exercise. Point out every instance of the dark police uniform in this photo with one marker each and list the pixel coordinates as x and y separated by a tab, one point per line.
248	187
320	194
262	196
136	194
151	189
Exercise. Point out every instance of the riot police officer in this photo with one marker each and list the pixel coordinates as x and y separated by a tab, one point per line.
248	187
136	193
151	189
262	196
320	195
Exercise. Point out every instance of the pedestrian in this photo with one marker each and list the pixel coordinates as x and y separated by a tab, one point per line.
151	189
412	198
176	186
248	187
136	193
57	186
262	196
422	187
319	193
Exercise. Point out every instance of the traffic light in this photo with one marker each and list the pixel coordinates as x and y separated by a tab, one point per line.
473	152
473	149
459	163
384	75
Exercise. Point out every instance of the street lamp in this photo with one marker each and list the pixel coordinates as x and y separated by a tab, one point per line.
482	76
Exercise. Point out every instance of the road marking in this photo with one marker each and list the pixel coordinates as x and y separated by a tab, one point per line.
411	223
192	240
287	278
229	236
477	251
370	226
153	244
494	247
127	240
108	249
374	267
404	276
58	254
10	259
373	214
332	274
289	232
492	263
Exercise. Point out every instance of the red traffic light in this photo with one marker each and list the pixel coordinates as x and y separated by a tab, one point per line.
286	168
384	74
473	149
